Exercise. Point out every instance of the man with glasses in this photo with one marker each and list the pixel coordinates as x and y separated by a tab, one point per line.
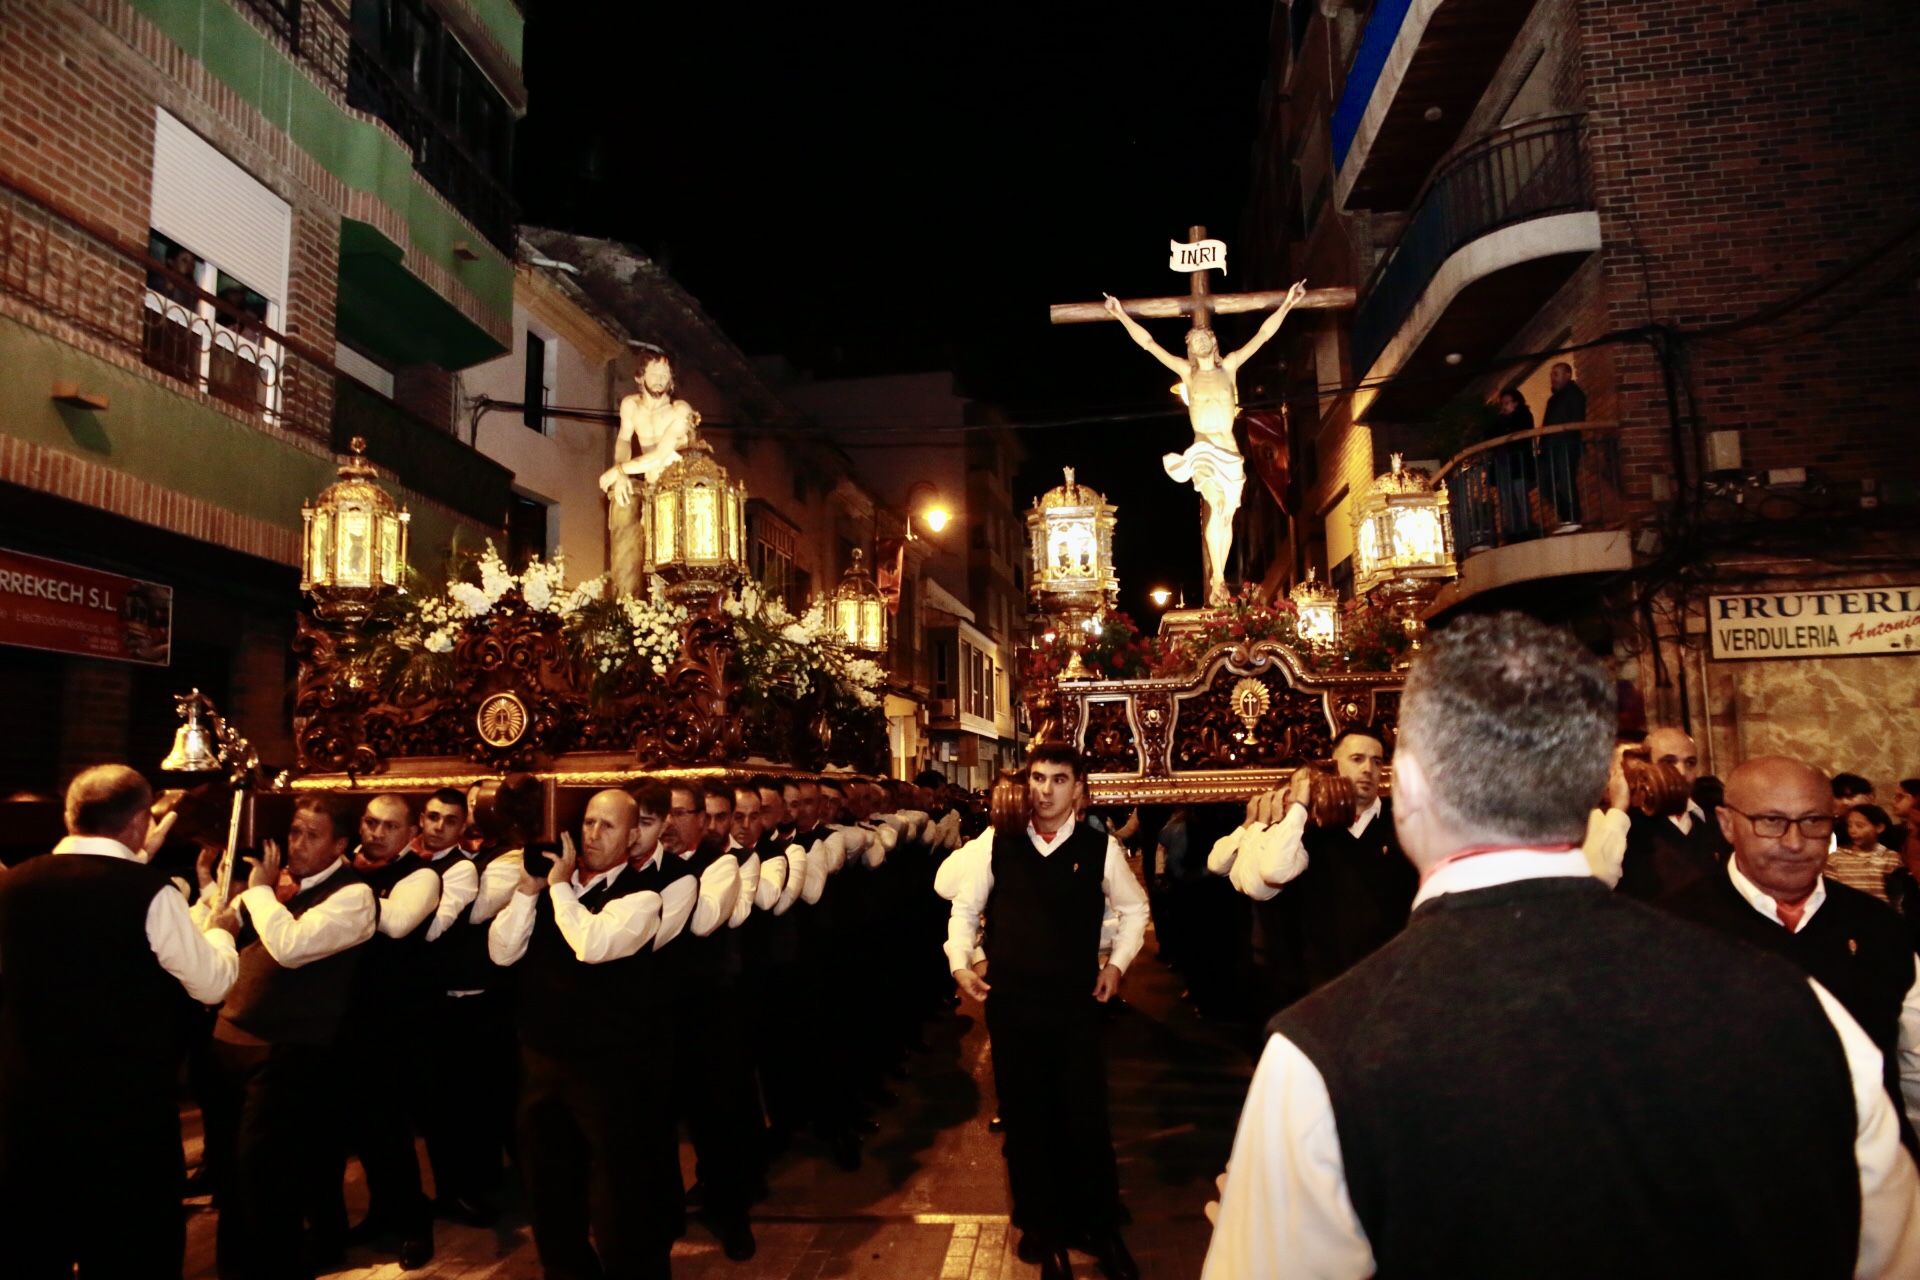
1779	818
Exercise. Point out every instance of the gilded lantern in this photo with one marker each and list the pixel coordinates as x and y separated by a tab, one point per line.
1070	542
694	527
1401	535
1316	609
353	546
859	610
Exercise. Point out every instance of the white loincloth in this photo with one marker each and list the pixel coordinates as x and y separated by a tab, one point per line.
1219	474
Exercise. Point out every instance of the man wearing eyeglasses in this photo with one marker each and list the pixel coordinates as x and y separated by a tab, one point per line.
1778	816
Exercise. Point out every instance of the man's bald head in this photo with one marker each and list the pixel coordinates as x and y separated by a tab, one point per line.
1675	747
1776	791
109	800
607	830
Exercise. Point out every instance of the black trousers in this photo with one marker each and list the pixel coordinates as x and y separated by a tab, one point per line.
467	1106
90	1177
1050	1070
275	1129
596	1132
714	1082
382	1073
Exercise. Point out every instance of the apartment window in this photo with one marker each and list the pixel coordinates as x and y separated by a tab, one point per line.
770	555
539	383
526	530
423	61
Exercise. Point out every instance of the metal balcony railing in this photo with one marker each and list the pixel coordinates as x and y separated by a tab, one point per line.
1524	171
319	36
1534	484
426	459
66	266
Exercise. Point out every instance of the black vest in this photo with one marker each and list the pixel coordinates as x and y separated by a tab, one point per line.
715	958
775	939
87	1007
1353	897
457	960
293	1006
1544	1079
1660	859
1855	946
1044	912
567	1008
390	981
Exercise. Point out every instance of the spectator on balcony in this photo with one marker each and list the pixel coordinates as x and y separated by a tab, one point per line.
1515	473
1560	454
176	284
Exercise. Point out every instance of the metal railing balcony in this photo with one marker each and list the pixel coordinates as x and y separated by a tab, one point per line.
66	266
1534	484
1524	171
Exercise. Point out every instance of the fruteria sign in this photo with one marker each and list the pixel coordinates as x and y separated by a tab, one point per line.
49	604
1816	624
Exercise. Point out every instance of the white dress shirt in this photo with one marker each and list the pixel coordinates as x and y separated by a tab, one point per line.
814	871
410	902
957	867
619	929
497	884
1259	859
1606	844
719	890
677	902
459	886
1909	1042
346	919
748	892
796	879
1124	899
773	882
1286	1211
201	960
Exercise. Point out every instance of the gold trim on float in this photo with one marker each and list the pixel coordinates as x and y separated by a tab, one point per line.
426	774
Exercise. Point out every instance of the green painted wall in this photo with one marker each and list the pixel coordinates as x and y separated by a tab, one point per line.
359	154
502	18
169	439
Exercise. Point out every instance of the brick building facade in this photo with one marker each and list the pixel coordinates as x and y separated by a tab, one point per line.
1696	203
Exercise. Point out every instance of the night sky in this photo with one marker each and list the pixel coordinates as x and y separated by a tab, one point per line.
907	188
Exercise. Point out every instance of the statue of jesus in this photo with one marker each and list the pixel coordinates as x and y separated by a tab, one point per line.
653	428
1212	463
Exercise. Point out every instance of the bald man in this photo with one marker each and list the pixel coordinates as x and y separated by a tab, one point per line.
1778	816
595	1023
1699	833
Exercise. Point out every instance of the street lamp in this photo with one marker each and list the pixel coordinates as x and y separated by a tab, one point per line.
1072	582
353	543
935	513
1161	597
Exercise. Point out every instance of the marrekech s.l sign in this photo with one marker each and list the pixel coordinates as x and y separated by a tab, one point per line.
1816	624
49	604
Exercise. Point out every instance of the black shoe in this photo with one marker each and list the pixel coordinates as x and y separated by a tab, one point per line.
468	1210
996	1125
844	1148
696	1196
1111	1252
369	1231
1055	1264
1029	1250
736	1240
416	1251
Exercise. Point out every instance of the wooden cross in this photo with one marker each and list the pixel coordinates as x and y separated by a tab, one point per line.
1201	302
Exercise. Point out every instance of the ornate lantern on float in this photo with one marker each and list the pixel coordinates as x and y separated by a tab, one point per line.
1316	609
1072	582
353	545
694	526
1402	544
860	611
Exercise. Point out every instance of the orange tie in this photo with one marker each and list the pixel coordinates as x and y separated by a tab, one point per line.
1790	915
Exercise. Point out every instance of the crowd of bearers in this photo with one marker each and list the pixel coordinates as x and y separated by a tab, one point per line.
542	1012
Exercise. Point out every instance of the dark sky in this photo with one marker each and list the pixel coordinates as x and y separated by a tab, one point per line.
869	190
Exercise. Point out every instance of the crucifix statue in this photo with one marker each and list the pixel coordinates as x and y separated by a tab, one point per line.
1212	463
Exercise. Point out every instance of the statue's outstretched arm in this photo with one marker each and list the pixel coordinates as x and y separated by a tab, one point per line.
1268	327
1138	333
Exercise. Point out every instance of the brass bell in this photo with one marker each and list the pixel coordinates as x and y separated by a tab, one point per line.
194	749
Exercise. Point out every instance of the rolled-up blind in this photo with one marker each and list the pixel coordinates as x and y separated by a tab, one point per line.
209	204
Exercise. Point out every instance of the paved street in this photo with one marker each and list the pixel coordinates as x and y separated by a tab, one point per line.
931	1199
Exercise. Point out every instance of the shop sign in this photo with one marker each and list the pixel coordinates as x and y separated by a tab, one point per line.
1815	624
49	604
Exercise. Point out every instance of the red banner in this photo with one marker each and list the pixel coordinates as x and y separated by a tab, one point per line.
48	604
890	574
1270	451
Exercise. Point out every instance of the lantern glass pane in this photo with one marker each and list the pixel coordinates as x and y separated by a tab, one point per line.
354	563
666	515
1070	549
1416	536
873	623
319	541
846	621
1316	623
703	526
390	551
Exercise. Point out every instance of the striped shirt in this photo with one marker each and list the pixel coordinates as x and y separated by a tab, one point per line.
1863	869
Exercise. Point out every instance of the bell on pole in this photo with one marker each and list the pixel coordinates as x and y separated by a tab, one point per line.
194	748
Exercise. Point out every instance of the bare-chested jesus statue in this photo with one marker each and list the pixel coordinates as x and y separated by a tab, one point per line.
654	427
1212	463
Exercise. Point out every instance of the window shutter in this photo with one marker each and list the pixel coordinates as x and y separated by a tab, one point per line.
211	205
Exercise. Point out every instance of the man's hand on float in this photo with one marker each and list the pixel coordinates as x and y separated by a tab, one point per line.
1299	791
157	833
1107	985
971	984
266	872
562	871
